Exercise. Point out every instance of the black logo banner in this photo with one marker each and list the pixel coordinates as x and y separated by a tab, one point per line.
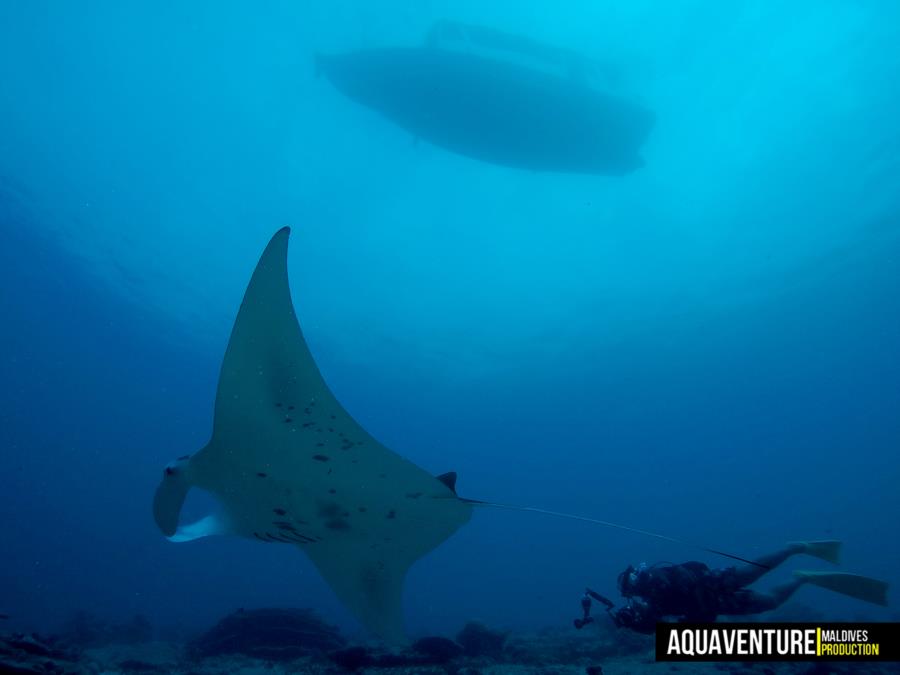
778	642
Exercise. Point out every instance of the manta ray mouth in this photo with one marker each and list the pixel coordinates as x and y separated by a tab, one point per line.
168	500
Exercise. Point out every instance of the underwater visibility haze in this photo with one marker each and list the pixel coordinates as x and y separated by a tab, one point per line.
655	283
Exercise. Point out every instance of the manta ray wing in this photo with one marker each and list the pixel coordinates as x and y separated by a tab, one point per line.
290	465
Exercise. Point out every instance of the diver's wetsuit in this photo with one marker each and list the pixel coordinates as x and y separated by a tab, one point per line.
693	592
690	591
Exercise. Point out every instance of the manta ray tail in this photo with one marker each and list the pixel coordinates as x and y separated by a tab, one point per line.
606	523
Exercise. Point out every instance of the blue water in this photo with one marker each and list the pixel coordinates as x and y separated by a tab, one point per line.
707	347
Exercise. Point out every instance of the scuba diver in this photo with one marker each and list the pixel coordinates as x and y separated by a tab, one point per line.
692	592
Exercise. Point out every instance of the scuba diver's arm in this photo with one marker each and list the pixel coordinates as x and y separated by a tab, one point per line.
586	608
637	615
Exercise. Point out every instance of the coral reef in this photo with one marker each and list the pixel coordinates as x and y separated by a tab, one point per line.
352	659
427	651
437	649
291	641
270	634
565	646
477	639
84	630
21	653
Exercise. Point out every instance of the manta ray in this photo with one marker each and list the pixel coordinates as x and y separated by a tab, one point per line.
288	464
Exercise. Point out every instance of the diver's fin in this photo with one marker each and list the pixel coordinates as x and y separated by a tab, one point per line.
853	585
829	550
